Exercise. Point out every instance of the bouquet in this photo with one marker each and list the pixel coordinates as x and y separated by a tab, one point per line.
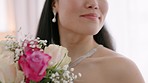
32	61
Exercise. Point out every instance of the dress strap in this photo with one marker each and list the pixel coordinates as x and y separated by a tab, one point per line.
81	58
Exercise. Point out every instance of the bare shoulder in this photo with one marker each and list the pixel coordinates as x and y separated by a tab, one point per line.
118	66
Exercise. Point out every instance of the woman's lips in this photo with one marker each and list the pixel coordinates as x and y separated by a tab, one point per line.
91	16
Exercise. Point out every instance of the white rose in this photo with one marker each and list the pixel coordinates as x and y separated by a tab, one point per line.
9	72
5	53
58	54
2	46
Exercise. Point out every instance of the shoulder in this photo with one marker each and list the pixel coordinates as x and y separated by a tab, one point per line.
119	66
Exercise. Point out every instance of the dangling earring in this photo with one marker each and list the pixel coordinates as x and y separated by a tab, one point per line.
54	19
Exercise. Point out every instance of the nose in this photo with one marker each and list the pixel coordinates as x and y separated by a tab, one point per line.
92	4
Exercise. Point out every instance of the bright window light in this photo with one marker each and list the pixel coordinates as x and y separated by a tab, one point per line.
3	16
127	21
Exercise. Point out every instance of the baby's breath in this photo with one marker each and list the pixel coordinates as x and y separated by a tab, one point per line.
55	74
63	75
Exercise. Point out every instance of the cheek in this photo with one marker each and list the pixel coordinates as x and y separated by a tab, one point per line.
66	17
68	5
68	12
104	7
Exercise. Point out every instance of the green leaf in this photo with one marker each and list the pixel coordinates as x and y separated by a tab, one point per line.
32	81
46	80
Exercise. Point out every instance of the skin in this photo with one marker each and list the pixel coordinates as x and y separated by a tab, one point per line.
76	30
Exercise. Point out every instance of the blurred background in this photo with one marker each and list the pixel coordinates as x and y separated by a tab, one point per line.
127	21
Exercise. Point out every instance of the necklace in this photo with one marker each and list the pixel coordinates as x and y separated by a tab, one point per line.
81	58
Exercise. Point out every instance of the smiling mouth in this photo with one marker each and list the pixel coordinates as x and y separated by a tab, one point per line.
91	16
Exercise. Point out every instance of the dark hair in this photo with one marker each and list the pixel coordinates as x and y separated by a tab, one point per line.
47	30
103	37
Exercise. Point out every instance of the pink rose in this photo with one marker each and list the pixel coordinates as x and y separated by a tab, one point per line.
28	46
34	63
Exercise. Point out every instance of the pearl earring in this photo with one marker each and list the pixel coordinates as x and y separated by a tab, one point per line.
54	19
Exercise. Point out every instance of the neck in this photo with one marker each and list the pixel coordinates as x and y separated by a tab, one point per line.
77	45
